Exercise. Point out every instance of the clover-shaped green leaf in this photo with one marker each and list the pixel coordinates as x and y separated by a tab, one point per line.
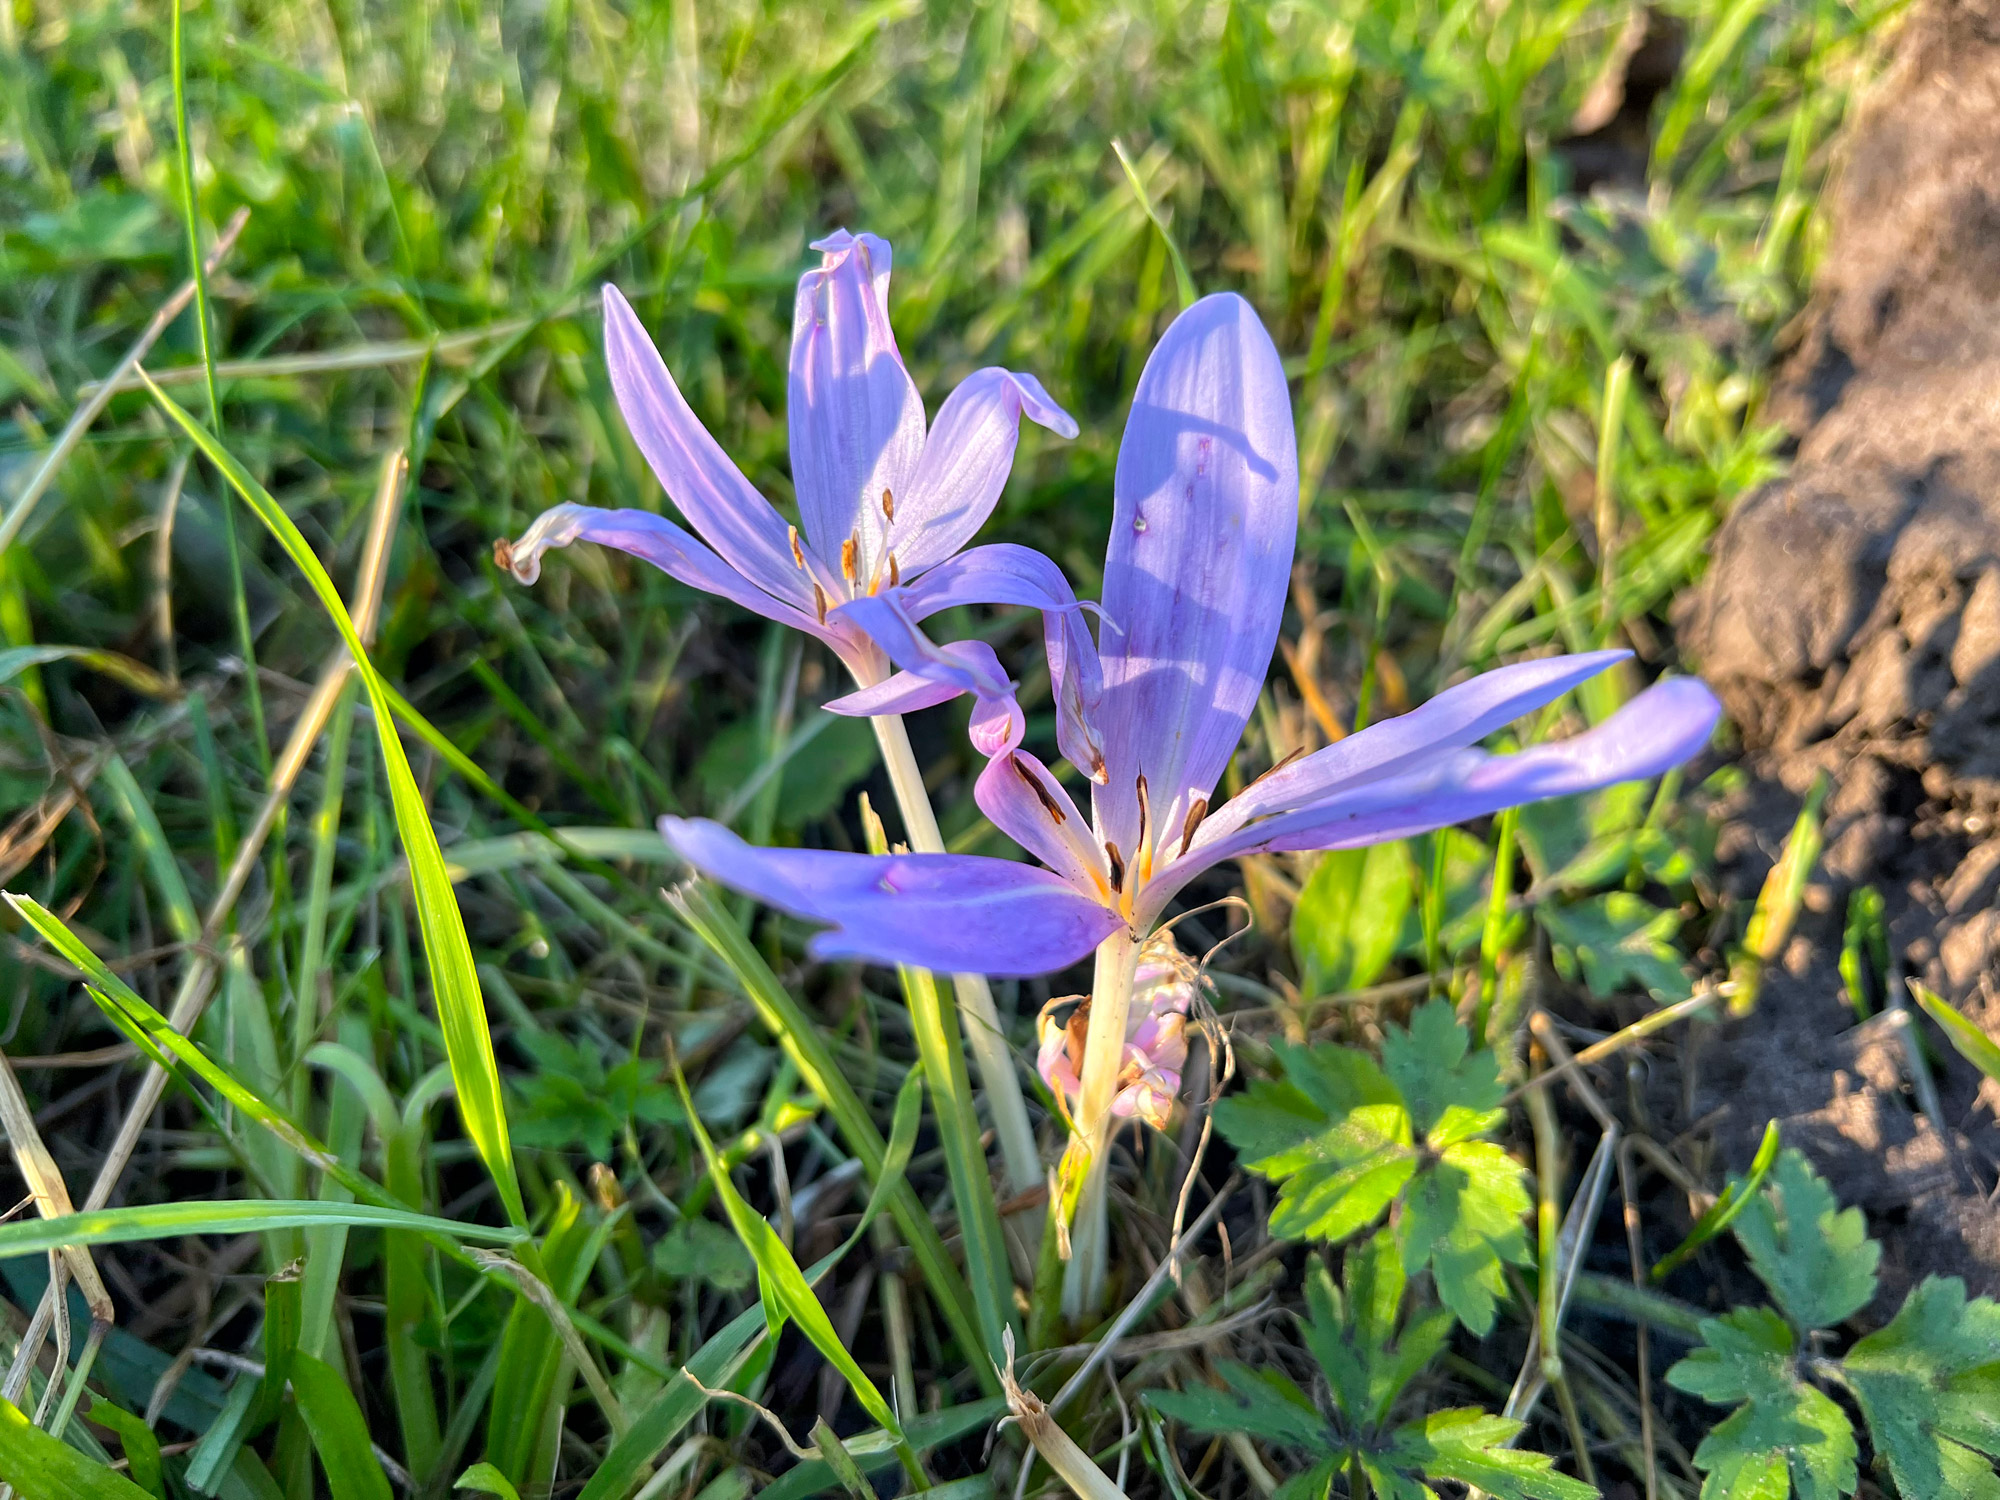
1815	1256
1929	1385
1786	1437
1345	1138
1369	1354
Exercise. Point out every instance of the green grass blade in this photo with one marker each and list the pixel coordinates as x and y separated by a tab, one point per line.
165	1221
800	1037
785	1291
204	321
1974	1045
1183	281
1723	1211
454	981
937	1035
42	1468
676	1406
155	1035
142	1449
161	865
339	1431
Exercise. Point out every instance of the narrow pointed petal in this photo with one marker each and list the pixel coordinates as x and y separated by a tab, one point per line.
971	666
953	913
721	505
1655	732
953	669
1002	573
653	539
904	693
857	423
965	463
1457	717
1025	802
1205	515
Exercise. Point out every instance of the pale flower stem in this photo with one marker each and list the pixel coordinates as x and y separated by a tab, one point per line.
1103	1052
985	1039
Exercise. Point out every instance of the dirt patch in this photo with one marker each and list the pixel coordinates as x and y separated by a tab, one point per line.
1851	623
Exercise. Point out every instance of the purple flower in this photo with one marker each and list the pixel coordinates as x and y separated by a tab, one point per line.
881	502
1149	1074
1204	518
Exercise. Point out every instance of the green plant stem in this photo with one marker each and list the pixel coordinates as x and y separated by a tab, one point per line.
1103	1052
985	1038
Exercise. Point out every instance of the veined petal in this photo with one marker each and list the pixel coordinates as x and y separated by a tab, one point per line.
1025	802
965	463
1655	732
1195	577
1002	573
953	913
659	542
857	423
1457	717
699	478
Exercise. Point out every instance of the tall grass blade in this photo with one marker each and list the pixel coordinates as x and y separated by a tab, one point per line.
800	1038
454	981
166	1221
787	1295
339	1431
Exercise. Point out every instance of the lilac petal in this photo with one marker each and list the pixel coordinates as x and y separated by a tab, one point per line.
997	723
699	478
1002	573
658	541
971	666
857	424
965	463
1655	732
1206	512
1024	801
953	913
1457	717
904	693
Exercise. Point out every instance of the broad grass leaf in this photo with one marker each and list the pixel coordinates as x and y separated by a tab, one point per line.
1350	915
164	1221
141	1448
1815	1256
1973	1044
782	1286
44	1468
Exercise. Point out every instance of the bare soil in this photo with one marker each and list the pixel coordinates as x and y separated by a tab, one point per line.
1851	621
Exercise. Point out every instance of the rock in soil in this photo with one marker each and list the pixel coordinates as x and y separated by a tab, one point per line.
1851	622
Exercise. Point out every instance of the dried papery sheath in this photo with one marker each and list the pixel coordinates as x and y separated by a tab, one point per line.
1156	1047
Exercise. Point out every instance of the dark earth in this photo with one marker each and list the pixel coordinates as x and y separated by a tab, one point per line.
1850	619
